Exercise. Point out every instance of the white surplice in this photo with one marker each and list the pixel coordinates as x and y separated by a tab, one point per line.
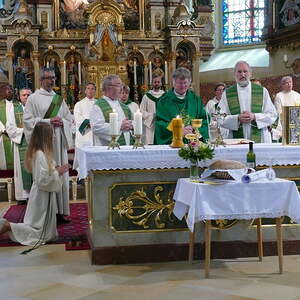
8	106
101	129
41	209
148	109
35	110
283	99
81	112
16	134
264	119
133	108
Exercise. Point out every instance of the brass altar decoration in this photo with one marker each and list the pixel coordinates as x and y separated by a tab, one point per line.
144	207
176	126
114	142
290	117
138	142
215	136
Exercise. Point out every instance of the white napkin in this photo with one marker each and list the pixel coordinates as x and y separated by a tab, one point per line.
266	173
236	174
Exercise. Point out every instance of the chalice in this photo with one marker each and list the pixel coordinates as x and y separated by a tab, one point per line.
196	124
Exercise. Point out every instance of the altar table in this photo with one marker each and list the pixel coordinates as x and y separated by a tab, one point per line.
130	200
261	199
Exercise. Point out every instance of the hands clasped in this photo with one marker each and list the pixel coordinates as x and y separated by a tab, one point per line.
62	169
57	122
126	125
246	117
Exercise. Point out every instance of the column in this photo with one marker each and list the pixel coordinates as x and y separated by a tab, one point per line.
10	57
36	67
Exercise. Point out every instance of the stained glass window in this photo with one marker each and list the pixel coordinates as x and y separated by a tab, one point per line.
243	21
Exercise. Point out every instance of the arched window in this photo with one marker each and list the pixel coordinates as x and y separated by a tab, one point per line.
243	21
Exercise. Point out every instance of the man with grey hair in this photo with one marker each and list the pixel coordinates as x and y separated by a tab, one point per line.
287	97
248	107
15	131
180	101
47	106
99	114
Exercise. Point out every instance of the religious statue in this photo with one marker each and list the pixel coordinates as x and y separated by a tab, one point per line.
290	12
24	70
157	67
54	64
182	60
72	80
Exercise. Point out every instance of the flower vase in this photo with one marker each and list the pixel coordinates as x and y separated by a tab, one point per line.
194	171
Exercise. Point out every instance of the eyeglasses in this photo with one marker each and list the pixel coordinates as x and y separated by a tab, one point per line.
49	77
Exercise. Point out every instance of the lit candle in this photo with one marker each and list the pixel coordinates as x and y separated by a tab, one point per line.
177	128
47	64
138	123
166	72
64	77
150	73
79	72
134	72
114	124
285	58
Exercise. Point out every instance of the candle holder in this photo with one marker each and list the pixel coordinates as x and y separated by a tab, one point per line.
217	139
113	143
138	142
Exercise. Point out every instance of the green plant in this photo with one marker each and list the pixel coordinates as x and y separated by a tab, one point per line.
196	151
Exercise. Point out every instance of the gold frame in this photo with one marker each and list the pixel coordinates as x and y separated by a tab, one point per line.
287	126
142	230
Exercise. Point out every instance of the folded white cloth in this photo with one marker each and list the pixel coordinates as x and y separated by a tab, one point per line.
266	173
236	174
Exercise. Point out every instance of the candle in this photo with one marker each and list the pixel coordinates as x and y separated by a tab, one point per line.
47	64
64	77
134	72
177	128
138	123
91	38
166	72
79	72
114	124
285	58
150	73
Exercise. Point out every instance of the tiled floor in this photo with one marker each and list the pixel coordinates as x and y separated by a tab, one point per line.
53	273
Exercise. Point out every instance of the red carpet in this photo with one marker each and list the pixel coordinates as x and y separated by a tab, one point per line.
74	234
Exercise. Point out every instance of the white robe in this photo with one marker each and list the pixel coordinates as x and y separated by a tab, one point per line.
133	108
8	106
81	112
291	98
35	110
264	119
148	109
100	128
210	107
41	207
16	134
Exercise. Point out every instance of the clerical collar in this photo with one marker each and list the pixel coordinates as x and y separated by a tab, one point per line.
179	96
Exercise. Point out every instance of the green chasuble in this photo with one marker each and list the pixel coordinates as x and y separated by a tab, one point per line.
8	149
257	94
169	106
106	109
26	177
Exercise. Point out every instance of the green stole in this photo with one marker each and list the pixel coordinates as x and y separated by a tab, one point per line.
106	110
256	107
8	150
169	106
26	177
151	97
54	107
84	126
127	102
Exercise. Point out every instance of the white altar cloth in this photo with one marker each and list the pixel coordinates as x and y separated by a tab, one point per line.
236	200
163	156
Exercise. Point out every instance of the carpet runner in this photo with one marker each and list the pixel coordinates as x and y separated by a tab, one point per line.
73	234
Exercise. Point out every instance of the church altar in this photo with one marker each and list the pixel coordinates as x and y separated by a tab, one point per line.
130	200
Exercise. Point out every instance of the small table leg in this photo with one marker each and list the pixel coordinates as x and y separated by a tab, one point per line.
259	240
207	246
191	246
279	244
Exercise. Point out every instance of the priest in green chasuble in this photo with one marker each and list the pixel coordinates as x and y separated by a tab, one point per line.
248	107
180	101
109	103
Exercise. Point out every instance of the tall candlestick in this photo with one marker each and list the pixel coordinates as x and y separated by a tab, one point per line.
166	72
134	72
150	73
113	121
64	77
138	123
79	72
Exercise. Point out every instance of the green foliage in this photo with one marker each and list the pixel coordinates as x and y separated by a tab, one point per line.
196	151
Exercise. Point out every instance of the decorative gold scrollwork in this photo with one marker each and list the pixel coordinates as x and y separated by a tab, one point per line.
140	209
